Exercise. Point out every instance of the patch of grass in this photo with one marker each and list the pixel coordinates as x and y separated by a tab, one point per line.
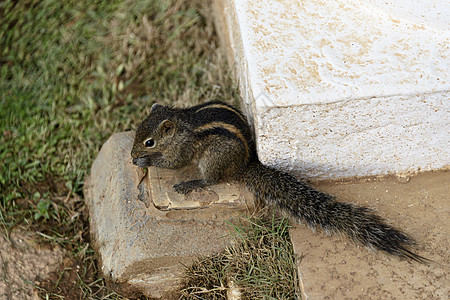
49	47
75	279
260	265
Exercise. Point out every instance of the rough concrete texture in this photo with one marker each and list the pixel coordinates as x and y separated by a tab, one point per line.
334	268
343	88
143	231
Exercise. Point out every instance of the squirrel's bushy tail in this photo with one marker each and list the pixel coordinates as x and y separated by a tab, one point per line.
318	209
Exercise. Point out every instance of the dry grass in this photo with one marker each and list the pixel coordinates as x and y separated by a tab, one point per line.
260	265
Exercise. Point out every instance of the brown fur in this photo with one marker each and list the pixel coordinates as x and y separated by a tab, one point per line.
218	136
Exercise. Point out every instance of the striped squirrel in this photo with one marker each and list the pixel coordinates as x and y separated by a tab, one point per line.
218	138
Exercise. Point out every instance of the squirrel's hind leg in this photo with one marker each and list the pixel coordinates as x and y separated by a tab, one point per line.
219	162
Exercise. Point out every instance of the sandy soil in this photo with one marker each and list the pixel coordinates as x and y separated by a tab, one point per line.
23	261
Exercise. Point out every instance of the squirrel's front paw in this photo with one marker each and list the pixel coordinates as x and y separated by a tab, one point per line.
181	188
188	186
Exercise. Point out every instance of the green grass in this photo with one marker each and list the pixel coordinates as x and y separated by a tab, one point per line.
259	265
72	73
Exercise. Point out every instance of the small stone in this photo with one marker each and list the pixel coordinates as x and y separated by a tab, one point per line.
143	231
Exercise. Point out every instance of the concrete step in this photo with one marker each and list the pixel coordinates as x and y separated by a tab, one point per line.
335	268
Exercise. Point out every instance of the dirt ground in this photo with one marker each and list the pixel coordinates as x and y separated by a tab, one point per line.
23	262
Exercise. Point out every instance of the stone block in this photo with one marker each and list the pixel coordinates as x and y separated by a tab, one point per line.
144	232
343	88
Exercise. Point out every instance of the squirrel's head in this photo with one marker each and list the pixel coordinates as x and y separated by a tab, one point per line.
154	136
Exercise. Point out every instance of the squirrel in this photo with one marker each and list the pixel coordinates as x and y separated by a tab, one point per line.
219	139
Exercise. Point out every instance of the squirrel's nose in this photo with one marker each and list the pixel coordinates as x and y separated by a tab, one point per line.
135	161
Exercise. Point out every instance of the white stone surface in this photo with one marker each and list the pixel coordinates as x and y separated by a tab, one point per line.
345	88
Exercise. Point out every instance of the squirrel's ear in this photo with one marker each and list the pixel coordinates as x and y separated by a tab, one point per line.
168	127
155	106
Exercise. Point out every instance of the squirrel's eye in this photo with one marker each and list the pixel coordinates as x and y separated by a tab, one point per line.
149	143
